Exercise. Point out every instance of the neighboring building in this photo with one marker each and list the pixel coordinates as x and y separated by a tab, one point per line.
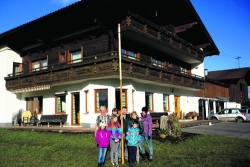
68	60
214	98
238	79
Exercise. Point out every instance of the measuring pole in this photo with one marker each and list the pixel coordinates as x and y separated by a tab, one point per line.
120	73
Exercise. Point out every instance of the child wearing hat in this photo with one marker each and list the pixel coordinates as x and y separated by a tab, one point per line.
133	139
102	139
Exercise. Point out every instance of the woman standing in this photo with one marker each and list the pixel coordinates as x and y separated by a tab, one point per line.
147	134
115	135
133	117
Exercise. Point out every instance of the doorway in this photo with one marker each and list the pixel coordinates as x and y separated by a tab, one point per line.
118	97
75	105
177	106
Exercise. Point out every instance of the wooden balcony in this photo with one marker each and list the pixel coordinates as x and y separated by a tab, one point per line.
102	65
139	29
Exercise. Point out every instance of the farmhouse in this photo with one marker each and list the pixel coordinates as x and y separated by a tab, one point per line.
67	62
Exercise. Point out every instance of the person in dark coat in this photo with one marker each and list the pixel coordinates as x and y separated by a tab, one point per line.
125	116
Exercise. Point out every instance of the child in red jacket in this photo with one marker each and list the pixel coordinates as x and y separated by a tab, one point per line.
102	139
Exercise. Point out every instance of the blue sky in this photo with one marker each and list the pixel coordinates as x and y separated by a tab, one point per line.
227	21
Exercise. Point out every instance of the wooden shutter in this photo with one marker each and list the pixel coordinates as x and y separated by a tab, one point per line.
82	52
138	56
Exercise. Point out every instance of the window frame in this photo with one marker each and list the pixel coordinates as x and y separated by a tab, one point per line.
19	66
126	98
149	109
40	62
97	108
56	105
157	63
62	57
167	103
70	54
31	100
126	53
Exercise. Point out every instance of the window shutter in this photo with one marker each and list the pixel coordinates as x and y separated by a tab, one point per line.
164	64
20	68
138	56
82	52
69	57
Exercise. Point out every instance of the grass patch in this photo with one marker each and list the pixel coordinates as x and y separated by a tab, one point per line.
36	148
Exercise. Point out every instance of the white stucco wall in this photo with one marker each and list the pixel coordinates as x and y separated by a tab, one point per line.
8	101
197	69
135	99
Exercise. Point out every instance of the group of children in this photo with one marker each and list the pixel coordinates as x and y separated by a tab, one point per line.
110	135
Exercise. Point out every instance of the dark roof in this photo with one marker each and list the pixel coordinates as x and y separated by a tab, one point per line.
109	13
231	74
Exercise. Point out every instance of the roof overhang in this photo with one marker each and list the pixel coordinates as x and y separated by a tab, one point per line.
108	13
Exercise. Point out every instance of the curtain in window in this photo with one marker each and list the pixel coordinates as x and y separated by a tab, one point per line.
149	101
159	63
154	62
59	109
74	110
44	64
124	99
165	102
63	104
101	99
29	105
35	65
76	57
97	101
16	70
36	104
150	106
123	52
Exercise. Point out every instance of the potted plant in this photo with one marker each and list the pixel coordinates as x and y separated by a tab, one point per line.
162	133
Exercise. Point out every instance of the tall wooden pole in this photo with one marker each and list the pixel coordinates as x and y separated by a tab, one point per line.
120	73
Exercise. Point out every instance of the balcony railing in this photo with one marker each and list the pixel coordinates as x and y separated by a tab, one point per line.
154	31
100	65
102	57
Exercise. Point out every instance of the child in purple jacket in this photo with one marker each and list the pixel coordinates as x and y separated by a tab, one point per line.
102	139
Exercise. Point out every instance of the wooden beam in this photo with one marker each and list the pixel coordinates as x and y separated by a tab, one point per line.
203	45
184	27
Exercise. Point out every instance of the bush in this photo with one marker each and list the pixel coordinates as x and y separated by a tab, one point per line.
174	127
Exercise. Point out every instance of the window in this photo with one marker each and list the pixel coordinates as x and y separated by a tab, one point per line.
165	102
39	65
124	98
62	57
149	101
101	99
60	101
157	62
17	68
130	54
76	56
34	104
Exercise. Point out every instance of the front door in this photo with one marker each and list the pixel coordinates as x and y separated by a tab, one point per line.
75	105
177	106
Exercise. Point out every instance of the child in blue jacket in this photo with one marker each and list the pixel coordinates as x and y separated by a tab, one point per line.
133	138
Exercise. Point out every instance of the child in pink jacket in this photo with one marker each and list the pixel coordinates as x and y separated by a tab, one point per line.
102	139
